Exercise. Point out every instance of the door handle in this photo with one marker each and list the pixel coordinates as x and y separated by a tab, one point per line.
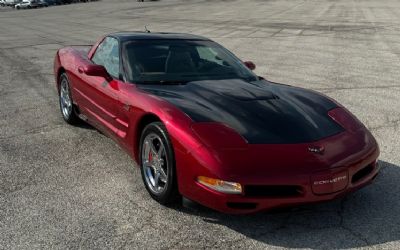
80	69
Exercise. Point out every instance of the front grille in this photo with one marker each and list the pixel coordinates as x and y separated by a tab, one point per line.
362	173
242	205
272	191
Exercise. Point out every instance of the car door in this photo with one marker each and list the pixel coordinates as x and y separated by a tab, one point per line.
100	96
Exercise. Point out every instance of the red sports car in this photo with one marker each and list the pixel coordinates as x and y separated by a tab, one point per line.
200	124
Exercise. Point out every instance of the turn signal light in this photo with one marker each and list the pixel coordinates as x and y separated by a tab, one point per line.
220	185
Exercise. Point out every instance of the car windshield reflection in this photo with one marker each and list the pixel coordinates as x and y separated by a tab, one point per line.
177	61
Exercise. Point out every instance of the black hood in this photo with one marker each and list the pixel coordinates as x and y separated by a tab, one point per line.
262	112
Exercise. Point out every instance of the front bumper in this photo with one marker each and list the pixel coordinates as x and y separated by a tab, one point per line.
347	163
245	203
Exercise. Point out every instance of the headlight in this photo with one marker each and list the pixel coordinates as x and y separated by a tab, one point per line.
226	187
217	135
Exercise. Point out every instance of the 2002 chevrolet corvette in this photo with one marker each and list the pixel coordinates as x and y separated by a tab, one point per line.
202	125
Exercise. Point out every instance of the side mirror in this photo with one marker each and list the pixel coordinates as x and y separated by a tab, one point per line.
250	65
95	70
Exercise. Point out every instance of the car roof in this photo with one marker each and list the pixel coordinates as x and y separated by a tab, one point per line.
141	35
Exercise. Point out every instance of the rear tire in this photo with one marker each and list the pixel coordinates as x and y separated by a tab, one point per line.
157	164
65	100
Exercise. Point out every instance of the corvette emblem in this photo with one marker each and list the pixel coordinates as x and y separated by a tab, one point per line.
316	149
333	180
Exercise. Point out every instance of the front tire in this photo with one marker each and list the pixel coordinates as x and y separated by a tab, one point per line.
157	164
66	102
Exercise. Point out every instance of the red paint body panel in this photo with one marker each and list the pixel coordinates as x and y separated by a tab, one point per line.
217	151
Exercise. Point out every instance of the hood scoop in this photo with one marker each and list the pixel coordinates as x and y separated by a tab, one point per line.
244	94
239	90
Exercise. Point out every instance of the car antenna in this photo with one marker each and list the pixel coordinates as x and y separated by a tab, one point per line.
147	30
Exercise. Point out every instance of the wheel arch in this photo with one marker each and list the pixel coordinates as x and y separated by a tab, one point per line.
145	120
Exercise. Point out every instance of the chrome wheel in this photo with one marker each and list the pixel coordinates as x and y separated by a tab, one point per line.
154	163
65	99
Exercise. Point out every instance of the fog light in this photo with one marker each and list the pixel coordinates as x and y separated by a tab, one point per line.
220	185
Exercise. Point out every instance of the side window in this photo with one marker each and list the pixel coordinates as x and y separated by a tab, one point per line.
107	54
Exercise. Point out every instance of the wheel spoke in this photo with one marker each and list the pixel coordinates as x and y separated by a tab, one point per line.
147	164
160	151
153	149
149	174
68	102
163	175
67	99
146	152
156	179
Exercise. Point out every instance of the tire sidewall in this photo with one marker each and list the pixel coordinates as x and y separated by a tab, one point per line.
72	118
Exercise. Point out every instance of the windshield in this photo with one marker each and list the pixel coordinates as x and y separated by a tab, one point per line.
180	61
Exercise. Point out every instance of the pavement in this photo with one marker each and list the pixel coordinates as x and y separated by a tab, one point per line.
66	187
